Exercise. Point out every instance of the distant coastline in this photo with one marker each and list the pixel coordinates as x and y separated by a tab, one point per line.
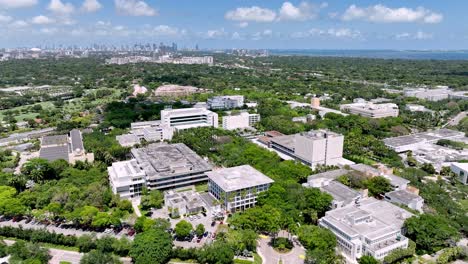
380	54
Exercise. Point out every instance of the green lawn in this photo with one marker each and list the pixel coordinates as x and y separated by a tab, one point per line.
201	187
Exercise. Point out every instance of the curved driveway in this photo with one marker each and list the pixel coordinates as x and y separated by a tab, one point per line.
270	256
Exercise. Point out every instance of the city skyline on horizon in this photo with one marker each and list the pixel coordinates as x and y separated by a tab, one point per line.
331	25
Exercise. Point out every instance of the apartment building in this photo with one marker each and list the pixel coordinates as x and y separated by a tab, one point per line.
371	227
240	120
312	148
237	187
226	102
371	110
165	166
186	118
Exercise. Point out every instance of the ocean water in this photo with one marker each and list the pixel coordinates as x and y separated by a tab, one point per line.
381	54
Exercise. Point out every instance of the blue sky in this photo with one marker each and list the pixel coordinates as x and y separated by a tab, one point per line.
333	24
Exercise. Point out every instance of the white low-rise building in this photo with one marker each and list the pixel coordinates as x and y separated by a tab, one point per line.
371	227
461	170
226	102
240	120
181	119
368	109
128	140
237	187
406	198
438	94
126	178
414	141
182	203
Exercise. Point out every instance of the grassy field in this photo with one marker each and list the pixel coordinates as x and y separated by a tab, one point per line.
201	187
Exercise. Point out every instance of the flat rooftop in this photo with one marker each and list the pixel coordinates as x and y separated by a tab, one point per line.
163	159
403	195
430	136
127	139
333	174
127	168
237	178
287	141
340	192
383	218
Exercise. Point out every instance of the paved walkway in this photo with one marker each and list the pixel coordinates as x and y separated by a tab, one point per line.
270	256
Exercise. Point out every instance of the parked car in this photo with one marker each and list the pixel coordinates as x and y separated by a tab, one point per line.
131	232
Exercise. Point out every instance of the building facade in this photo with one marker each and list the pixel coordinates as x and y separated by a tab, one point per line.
186	118
461	170
371	110
126	178
240	121
226	102
238	187
371	227
316	147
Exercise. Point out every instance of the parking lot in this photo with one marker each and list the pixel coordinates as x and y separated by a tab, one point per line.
58	229
195	220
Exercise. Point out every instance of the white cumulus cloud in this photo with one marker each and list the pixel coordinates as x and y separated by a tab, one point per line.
91	6
304	11
134	8
42	20
253	13
61	8
19	24
5	18
6	4
420	35
344	33
383	14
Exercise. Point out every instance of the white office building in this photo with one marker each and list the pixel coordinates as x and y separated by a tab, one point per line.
164	166
438	94
312	148
186	118
371	110
371	227
240	120
461	170
226	102
237	187
151	131
126	178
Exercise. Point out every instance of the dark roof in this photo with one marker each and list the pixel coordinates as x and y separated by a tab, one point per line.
76	140
54	153
54	140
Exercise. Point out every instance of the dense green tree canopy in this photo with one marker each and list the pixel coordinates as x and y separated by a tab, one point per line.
151	246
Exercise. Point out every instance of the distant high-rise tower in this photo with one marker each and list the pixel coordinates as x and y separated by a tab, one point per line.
196	47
